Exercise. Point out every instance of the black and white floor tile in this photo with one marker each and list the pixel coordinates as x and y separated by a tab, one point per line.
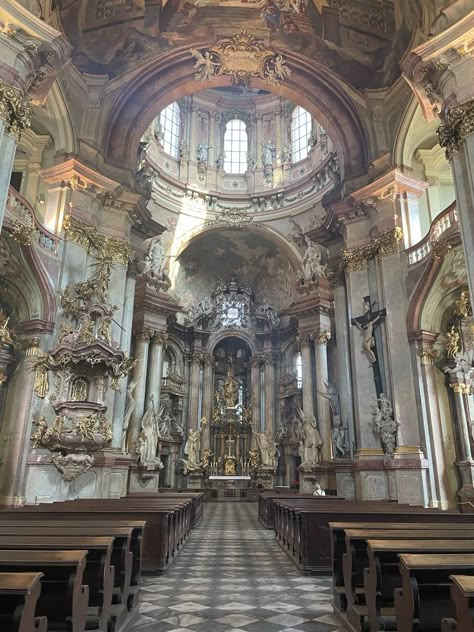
232	576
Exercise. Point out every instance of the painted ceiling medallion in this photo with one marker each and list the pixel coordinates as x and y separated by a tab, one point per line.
240	57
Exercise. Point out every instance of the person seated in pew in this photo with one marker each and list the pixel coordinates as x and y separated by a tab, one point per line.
318	490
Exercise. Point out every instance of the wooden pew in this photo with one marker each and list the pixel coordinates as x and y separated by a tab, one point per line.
355	559
338	547
19	593
311	544
157	545
98	575
121	559
383	574
63	596
462	594
424	598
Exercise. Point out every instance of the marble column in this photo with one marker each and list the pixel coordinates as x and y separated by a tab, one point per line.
259	142
212	157
140	373
278	140
459	391
16	430
432	421
208	390
255	395
125	344
343	364
7	156
269	393
308	399
155	371
193	132
321	339
193	406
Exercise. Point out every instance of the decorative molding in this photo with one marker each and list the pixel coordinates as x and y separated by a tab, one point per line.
231	218
387	243
107	248
321	336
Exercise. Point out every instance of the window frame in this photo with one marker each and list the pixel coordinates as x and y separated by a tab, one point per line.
170	122
235	159
300	130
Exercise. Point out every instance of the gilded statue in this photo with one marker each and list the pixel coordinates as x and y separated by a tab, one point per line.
463	307
253	459
206	458
453	342
229	466
6	336
41	385
230	389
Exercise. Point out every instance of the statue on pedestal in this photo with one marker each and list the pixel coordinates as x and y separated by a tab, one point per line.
230	389
193	449
313	269
385	424
155	259
148	453
268	449
338	436
310	439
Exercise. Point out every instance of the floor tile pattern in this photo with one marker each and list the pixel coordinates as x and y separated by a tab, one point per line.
232	576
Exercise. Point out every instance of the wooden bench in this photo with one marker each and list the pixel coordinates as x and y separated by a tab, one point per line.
383	573
355	559
98	574
63	596
19	594
462	594
121	559
424	598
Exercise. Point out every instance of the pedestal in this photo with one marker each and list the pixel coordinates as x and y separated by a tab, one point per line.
264	477
311	475
466	493
195	480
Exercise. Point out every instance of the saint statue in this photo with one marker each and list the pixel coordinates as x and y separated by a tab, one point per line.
230	389
193	449
155	259
130	404
338	437
202	150
267	448
268	154
332	396
312	266
310	439
148	440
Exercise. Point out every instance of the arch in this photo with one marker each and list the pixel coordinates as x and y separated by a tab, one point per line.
217	337
60	124
158	84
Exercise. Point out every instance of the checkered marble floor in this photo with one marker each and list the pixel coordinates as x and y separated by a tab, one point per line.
232	576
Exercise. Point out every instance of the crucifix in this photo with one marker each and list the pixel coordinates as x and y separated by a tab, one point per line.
366	324
229	442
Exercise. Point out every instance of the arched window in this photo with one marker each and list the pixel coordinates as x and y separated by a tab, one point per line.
299	370
300	131
235	147
170	119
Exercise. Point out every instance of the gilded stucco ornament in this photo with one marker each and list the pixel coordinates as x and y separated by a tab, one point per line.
241	57
459	124
231	218
385	244
13	110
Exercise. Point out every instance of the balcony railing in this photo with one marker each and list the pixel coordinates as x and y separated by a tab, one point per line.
445	224
21	220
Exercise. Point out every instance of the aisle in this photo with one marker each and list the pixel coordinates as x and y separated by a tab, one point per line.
232	577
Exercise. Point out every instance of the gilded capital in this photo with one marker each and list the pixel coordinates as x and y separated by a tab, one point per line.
385	244
459	124
464	389
13	110
160	338
322	337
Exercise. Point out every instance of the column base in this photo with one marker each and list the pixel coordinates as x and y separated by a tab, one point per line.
466	492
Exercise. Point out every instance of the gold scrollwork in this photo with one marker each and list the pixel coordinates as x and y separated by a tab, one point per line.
459	124
385	244
241	57
13	110
231	218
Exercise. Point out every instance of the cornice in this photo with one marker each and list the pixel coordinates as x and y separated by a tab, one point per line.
78	176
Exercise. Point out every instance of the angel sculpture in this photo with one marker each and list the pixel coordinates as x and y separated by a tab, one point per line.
204	65
281	70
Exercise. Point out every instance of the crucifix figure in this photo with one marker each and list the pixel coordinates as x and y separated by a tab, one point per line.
366	324
230	443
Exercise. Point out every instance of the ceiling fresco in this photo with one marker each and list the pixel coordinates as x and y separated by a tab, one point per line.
252	260
357	39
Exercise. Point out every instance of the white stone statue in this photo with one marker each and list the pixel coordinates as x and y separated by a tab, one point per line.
385	424
166	419
332	396
148	448
268	154
269	313
310	439
130	404
338	437
192	449
202	150
155	259
268	449
313	269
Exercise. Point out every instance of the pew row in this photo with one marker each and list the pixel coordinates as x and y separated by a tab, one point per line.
19	594
462	595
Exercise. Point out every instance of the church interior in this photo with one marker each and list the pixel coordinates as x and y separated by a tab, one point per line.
236	328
